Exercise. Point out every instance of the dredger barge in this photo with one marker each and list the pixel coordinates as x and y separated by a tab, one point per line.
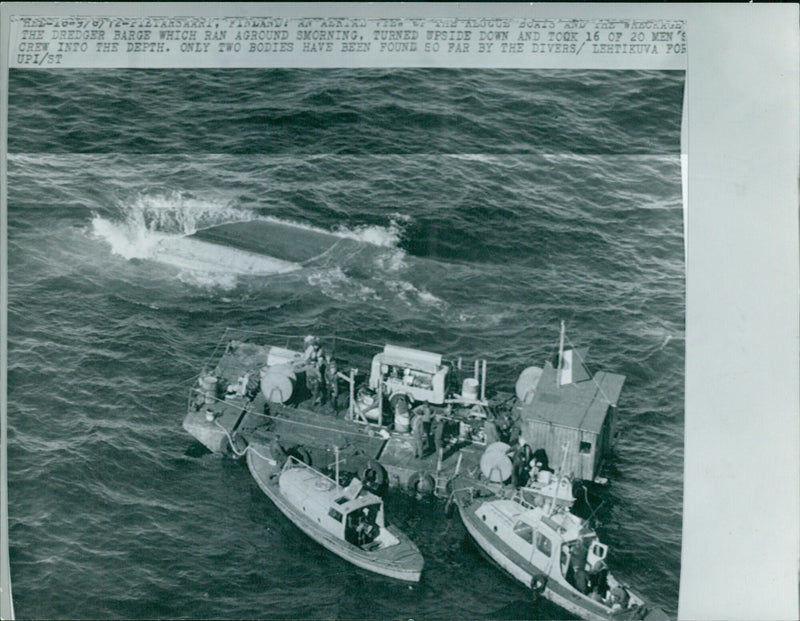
397	416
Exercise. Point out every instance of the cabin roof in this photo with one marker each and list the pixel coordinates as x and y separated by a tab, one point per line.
309	479
412	358
580	405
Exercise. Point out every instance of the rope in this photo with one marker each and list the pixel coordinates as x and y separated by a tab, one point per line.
290	336
230	440
297	422
247	448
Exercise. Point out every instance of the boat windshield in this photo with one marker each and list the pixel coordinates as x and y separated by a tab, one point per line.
524	530
361	527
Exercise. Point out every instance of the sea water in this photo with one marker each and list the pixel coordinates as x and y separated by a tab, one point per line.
491	206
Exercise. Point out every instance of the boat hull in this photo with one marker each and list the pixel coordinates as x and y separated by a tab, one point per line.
401	562
290	243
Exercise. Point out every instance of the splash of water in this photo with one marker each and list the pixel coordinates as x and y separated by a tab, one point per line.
385	236
151	219
159	227
337	285
412	296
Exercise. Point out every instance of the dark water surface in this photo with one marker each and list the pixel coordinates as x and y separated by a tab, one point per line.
495	204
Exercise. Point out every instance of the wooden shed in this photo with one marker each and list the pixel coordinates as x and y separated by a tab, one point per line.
578	414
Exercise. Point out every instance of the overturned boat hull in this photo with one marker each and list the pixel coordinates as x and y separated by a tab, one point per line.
293	243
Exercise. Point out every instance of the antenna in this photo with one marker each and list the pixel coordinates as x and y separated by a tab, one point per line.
560	354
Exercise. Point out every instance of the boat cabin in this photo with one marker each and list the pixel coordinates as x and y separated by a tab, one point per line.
350	513
570	408
412	372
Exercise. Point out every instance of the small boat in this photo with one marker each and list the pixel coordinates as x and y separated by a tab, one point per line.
539	542
349	521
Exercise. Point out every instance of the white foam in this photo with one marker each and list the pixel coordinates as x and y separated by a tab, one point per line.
153	218
127	239
413	296
385	236
335	284
393	260
226	282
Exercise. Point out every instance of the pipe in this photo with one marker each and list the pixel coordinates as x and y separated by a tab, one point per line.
483	381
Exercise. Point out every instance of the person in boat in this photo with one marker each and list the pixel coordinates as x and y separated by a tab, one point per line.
577	566
533	472
279	454
418	434
314	363
537	465
314	382
332	382
540	455
598	580
313	350
322	369
514	433
490	434
618	599
366	529
438	434
520	458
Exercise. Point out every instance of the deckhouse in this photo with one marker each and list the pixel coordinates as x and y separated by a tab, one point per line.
351	513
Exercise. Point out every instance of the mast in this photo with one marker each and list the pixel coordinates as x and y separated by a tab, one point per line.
336	457
560	354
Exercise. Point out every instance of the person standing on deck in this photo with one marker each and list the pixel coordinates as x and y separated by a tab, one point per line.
332	382
312	356
520	460
438	434
577	561
322	370
418	433
490	432
312	351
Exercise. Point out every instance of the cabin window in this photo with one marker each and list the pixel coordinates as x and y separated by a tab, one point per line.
524	530
543	544
341	501
586	447
335	514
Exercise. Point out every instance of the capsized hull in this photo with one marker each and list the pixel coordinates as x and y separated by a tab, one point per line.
281	240
401	562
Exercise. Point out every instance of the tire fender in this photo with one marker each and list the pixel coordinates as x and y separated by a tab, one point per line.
374	477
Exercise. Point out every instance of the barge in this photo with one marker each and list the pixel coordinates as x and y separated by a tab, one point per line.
404	417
